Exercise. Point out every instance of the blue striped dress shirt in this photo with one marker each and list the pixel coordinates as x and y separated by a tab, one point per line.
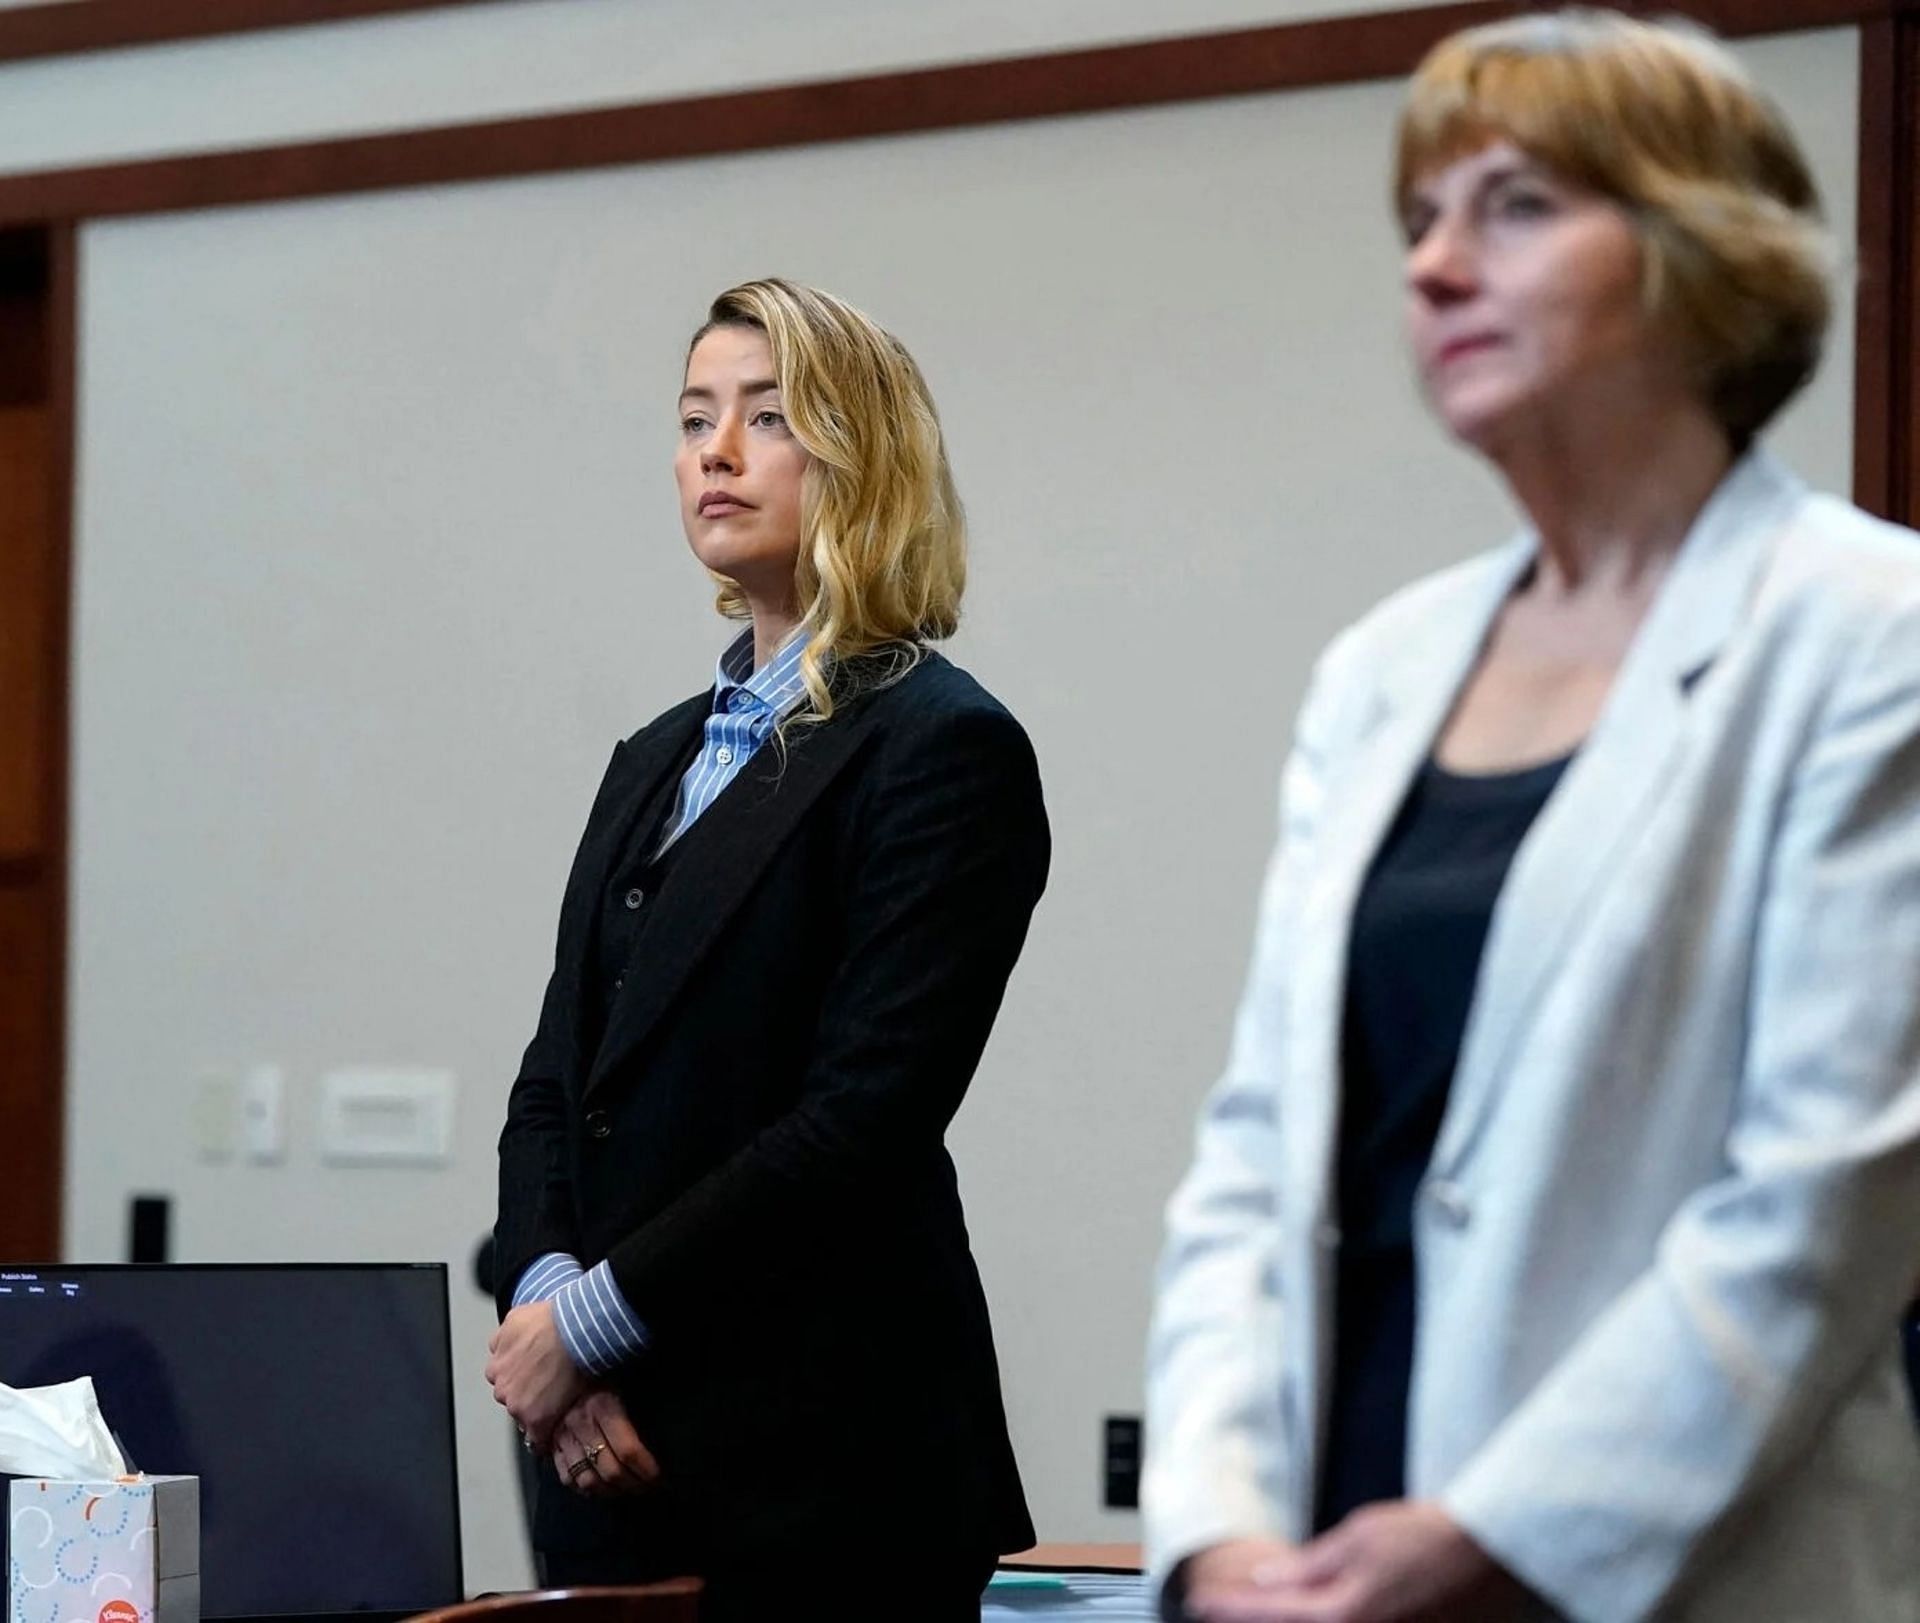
597	1325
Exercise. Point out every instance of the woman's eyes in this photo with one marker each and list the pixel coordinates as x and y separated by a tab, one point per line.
1522	203
1512	199
694	423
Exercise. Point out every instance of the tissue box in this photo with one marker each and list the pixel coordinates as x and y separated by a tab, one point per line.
103	1552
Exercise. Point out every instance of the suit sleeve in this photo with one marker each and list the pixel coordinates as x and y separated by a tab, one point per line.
535	1214
1216	1454
1774	1287
951	857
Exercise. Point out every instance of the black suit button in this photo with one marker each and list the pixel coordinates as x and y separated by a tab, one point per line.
598	1124
635	897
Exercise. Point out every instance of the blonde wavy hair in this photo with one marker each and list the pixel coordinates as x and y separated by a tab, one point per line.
1661	119
883	538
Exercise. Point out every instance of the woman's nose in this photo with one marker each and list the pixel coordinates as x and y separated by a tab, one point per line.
1440	266
722	449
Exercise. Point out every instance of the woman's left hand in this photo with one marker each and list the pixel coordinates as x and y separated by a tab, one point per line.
1403	1562
596	1451
532	1377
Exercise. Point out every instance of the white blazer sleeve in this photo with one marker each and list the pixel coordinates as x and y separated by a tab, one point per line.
1774	1287
1216	1459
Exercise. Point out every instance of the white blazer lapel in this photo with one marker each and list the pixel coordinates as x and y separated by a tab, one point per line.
1614	782
1417	685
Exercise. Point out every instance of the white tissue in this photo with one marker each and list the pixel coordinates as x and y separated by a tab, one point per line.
57	1432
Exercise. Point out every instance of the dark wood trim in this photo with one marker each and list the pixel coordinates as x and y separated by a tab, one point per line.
1876	309
63	345
33	874
19	868
23	298
1903	274
70	27
677	1600
1904	418
1887	326
1285	56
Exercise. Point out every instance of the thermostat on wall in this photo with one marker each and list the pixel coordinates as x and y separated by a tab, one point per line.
381	1115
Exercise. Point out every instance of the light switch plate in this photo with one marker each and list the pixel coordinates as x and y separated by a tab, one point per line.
216	1114
384	1115
263	1114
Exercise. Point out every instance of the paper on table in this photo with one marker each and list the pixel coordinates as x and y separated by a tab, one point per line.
57	1432
1118	1597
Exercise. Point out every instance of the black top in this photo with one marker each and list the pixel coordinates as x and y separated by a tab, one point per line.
1419	925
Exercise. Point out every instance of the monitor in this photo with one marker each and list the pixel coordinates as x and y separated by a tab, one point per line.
314	1403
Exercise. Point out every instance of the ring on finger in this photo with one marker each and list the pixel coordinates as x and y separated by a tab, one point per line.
585	1461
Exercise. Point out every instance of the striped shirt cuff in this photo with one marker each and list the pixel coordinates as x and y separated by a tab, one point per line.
544	1276
596	1326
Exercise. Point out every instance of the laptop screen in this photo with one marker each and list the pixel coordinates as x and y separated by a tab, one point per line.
315	1404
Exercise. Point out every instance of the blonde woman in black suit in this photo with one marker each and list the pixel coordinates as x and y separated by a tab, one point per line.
739	1308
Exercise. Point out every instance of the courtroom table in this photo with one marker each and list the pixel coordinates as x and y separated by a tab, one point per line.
1078	1557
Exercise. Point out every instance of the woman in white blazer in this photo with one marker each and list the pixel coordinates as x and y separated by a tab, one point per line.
1547	1233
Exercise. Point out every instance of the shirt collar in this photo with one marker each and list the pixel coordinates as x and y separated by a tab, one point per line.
775	688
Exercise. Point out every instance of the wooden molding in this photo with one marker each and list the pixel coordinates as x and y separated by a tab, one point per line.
22	868
36	442
1875	309
74	27
1284	56
71	27
63	338
1886	440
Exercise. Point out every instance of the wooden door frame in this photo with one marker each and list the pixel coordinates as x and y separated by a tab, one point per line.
1887	327
38	359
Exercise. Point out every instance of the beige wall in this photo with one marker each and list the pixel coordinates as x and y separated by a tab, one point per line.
377	553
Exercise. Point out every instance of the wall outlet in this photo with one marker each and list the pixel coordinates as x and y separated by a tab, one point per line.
216	1114
1120	1456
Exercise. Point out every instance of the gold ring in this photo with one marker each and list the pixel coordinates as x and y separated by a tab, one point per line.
584	1462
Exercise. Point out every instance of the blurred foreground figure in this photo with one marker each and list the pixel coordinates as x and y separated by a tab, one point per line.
1548	1233
739	1308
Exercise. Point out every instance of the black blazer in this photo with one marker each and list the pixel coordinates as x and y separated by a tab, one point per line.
756	1140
